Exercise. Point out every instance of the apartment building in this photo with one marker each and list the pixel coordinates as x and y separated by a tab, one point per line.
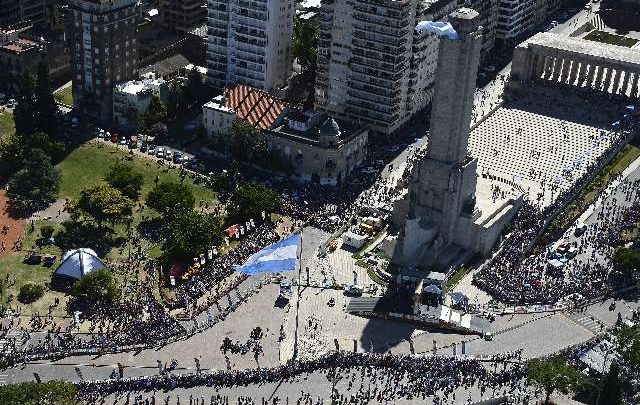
17	56
249	42
102	37
181	16
488	10
373	66
132	98
14	11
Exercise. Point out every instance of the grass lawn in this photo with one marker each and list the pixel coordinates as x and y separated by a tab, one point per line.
89	163
7	125
589	193
30	273
64	96
612	39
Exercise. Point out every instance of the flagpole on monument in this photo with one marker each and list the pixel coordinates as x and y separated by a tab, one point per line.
299	257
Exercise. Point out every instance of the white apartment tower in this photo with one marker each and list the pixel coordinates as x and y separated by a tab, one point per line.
249	42
373	66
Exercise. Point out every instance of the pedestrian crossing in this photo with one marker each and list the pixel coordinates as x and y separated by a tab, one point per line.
590	323
598	23
5	341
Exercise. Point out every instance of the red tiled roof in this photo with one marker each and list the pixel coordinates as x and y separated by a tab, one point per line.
257	107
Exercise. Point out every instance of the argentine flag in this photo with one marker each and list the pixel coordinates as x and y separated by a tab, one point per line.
277	257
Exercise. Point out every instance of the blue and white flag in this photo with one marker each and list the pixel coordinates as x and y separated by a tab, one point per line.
277	257
440	28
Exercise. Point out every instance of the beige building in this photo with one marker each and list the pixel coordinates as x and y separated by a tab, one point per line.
373	66
314	146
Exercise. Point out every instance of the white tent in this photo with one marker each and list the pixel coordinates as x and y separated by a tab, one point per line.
78	262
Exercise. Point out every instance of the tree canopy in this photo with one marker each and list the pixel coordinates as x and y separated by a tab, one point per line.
251	199
104	203
33	393
97	288
156	112
123	177
555	374
35	185
171	198
15	149
626	260
190	233
36	109
305	42
628	339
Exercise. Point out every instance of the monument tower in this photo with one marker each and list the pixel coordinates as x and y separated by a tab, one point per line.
442	217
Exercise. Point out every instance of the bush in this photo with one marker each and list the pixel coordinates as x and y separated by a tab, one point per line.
50	392
97	288
30	293
46	231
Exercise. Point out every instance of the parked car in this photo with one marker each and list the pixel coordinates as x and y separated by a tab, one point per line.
160	152
168	155
152	149
177	157
32	258
143	148
114	138
133	144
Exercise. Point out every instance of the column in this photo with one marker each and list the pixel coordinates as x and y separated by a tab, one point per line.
616	82
592	72
598	83
576	67
607	81
549	62
540	65
566	69
583	73
557	68
625	83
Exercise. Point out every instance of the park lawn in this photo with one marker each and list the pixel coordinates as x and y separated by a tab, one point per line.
64	96
30	273
7	125
90	163
611	39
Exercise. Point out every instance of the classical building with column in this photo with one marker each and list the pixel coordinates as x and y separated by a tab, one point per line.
576	62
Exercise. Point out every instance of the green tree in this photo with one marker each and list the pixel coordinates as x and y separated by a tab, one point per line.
555	374
104	203
47	110
169	198
626	260
246	143
97	288
611	393
24	113
30	293
35	185
16	148
628	342
124	178
156	112
190	233
33	393
304	44
134	119
46	231
251	199
194	91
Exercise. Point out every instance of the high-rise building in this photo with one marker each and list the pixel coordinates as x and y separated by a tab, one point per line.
102	37
249	42
14	11
516	18
373	66
181	16
488	10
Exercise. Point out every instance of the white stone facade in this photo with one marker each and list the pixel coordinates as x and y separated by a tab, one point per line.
249	42
134	94
217	119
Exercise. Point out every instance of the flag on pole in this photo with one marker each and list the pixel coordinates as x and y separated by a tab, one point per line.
277	257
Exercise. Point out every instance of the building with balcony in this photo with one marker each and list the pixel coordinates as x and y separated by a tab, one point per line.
131	99
249	42
102	37
488	10
311	145
15	11
17	56
181	16
373	66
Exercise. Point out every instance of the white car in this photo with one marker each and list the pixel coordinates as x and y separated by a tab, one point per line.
160	152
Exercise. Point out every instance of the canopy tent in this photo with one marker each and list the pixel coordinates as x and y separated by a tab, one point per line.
78	262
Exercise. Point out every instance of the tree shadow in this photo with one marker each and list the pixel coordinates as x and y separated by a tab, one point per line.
86	234
149	229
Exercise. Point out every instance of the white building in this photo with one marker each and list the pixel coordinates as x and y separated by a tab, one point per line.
135	96
373	66
249	42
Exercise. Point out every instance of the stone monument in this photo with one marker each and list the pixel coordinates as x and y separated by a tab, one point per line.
443	220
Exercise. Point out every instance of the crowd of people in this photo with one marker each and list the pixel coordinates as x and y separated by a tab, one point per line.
389	377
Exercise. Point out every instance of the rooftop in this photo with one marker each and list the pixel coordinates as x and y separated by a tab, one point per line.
136	86
19	45
257	107
582	46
